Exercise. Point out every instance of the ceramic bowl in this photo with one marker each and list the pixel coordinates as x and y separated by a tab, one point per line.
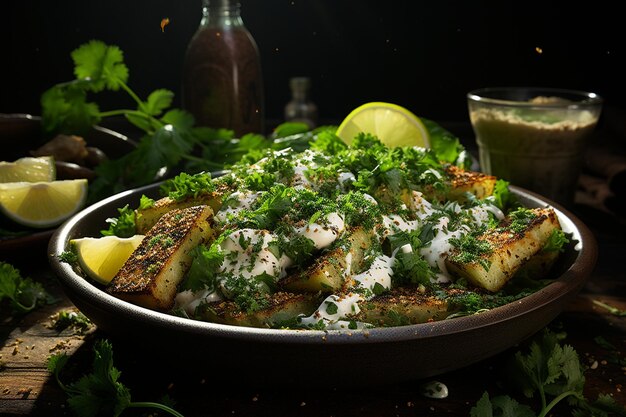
306	357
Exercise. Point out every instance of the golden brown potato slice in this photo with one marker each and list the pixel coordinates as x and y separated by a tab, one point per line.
402	306
476	183
150	276
282	307
511	251
328	272
147	217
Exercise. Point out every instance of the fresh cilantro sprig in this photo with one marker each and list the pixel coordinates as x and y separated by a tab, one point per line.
123	225
409	266
100	392
206	261
23	293
551	371
171	139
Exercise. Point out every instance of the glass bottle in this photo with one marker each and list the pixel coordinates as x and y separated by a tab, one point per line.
301	108
222	83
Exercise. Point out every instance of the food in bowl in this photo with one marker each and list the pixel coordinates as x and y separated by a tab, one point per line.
335	237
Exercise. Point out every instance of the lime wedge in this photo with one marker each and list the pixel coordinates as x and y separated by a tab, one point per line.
101	258
392	124
42	204
28	169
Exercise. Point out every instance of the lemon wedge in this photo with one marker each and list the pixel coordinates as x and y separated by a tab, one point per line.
101	258
42	204
28	169
392	124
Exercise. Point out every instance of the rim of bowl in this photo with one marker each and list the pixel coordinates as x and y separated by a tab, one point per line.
572	278
35	118
578	98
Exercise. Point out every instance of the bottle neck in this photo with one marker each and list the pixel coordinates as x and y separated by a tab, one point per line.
299	88
221	12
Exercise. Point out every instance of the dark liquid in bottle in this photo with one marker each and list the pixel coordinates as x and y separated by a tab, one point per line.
222	80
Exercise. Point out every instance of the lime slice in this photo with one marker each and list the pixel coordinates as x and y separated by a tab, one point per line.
101	258
392	124
42	204
28	169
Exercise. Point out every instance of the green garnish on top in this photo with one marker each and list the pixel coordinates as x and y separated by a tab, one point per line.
188	186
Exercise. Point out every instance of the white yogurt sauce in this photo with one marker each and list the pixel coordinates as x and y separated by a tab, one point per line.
440	247
189	300
237	201
333	309
244	260
323	235
380	272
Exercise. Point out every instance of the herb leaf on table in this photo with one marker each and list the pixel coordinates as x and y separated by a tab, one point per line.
552	372
100	392
23	293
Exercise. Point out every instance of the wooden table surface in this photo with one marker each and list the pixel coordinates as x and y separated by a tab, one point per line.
27	388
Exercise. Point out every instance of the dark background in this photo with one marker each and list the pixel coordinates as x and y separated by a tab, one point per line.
423	55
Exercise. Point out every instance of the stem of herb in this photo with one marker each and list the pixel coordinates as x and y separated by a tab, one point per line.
546	409
124	112
63	386
148	404
130	92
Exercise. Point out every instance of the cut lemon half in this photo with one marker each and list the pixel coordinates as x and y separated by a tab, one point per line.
392	124
101	258
28	169
42	204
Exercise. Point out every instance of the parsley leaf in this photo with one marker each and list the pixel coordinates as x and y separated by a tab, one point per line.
123	225
556	242
100	392
205	262
101	64
553	372
23	294
188	186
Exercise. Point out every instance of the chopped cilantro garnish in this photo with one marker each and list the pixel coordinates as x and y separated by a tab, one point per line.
188	186
471	249
249	295
123	225
206	261
519	220
409	267
556	241
331	308
145	202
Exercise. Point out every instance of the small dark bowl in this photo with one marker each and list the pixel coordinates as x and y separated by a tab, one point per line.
22	133
375	356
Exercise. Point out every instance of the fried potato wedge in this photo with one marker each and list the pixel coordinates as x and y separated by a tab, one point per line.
463	182
403	306
511	251
329	271
150	276
145	218
282	307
